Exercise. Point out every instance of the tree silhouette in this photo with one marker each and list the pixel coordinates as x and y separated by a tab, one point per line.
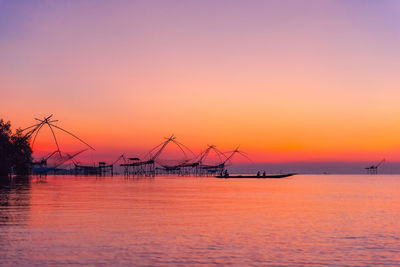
6	148
22	153
15	151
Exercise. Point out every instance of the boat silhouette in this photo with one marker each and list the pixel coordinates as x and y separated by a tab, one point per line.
268	176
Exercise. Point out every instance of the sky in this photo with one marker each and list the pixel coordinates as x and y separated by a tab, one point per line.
304	81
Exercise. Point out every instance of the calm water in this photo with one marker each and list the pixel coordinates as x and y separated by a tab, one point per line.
304	220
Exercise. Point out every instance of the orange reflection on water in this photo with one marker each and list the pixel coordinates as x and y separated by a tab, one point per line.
190	221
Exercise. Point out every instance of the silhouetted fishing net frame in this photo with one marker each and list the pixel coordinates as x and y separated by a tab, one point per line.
211	169
148	167
33	131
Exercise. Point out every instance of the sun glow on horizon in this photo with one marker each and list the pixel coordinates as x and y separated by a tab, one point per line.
313	81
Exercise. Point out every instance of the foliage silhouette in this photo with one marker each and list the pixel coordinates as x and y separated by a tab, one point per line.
15	151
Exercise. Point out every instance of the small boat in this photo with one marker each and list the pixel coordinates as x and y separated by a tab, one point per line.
269	176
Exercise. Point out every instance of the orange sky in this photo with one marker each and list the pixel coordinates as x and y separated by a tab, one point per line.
285	80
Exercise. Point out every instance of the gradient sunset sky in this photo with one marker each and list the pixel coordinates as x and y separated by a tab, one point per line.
285	80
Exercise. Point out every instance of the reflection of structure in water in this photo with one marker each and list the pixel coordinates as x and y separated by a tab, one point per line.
14	200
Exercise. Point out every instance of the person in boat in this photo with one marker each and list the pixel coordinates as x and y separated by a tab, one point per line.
226	174
258	174
264	173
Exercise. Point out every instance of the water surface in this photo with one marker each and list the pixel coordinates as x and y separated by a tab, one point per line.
185	221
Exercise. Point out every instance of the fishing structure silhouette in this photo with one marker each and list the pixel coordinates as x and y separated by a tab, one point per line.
150	166
373	169
41	166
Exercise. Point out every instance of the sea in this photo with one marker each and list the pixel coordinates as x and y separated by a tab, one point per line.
304	220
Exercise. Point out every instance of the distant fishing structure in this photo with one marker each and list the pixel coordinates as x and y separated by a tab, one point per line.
101	169
35	129
151	164
209	169
373	169
195	166
41	166
198	165
147	167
